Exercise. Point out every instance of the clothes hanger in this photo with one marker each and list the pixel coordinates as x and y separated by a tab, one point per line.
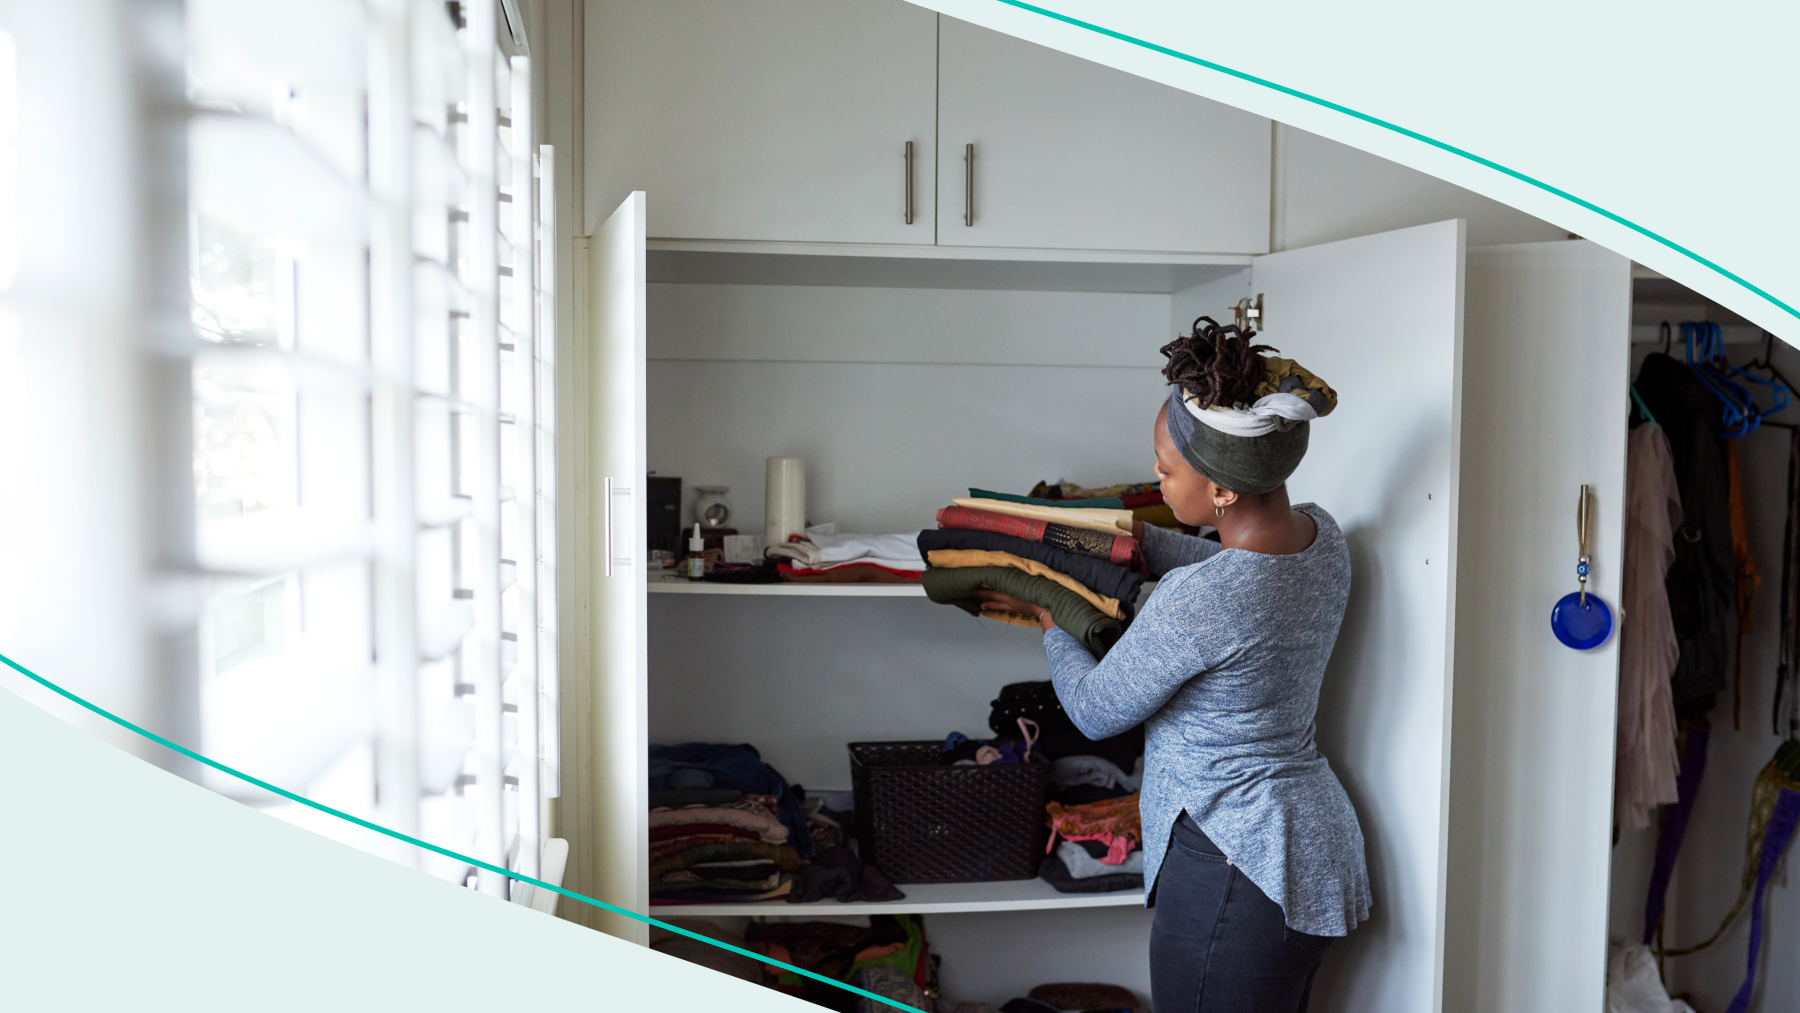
1739	416
1642	408
1782	385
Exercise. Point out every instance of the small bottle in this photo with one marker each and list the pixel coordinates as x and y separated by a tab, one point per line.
696	560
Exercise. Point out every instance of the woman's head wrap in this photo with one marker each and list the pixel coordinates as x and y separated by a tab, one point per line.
1251	448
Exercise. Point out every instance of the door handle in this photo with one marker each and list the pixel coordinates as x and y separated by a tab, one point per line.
909	183
611	490
969	185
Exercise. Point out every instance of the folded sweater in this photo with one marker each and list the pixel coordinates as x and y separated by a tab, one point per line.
1105	521
1117	548
978	557
958	586
1099	576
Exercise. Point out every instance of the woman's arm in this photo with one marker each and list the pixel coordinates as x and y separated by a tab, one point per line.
1166	550
1155	657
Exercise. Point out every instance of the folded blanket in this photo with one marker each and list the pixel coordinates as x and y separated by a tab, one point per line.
958	586
849	573
1103	578
1069	490
676	845
1117	548
1075	503
977	557
823	550
1082	865
1054	872
784	857
704	893
1104	521
764	824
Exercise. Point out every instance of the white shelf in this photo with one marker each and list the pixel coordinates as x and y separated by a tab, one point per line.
681	585
923	899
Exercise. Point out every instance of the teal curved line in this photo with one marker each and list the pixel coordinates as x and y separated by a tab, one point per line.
446	852
1398	129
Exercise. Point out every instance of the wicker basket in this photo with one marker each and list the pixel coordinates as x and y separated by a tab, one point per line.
921	822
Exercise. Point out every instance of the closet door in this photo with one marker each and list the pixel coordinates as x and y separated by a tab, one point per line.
610	826
1380	318
1073	155
764	119
1547	353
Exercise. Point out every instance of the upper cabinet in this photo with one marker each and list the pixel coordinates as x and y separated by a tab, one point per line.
1069	154
764	119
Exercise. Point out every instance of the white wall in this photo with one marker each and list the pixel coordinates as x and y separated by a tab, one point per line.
899	399
1326	191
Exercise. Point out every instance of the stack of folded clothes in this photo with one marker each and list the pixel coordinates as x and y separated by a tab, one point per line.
724	826
1095	848
819	558
1143	499
720	853
1077	561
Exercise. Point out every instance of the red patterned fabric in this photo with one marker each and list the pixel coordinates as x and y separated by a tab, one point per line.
1113	822
1120	550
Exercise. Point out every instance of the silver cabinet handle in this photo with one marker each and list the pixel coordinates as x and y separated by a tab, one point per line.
909	184
608	493
969	185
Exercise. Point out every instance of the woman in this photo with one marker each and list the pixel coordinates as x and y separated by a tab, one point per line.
1251	848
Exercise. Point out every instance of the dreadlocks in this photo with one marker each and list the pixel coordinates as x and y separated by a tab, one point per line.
1217	365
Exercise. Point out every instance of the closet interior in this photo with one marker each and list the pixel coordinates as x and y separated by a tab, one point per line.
1748	719
953	271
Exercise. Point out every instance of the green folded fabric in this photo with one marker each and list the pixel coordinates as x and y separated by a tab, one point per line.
1104	503
958	586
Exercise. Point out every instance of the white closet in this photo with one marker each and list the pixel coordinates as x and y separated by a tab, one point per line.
904	376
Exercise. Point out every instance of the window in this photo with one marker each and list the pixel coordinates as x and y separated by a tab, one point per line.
373	465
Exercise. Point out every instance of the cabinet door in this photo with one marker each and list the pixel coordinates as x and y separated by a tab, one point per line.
606	815
1380	318
1547	342
763	119
1073	155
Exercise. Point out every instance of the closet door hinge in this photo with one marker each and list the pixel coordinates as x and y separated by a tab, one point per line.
1248	314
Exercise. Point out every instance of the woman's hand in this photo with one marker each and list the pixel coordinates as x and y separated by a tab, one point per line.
999	601
1134	528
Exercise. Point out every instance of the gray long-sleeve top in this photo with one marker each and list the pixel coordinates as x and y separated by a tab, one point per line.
1223	665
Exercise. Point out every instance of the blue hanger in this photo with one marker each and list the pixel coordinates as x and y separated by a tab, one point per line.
1739	415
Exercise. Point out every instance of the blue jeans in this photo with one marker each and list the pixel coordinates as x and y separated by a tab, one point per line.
1218	944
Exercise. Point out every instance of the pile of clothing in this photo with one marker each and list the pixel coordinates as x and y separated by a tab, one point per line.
724	826
1095	848
1095	840
889	948
821	556
1073	556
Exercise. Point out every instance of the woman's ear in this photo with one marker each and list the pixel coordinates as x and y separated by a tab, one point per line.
1222	498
